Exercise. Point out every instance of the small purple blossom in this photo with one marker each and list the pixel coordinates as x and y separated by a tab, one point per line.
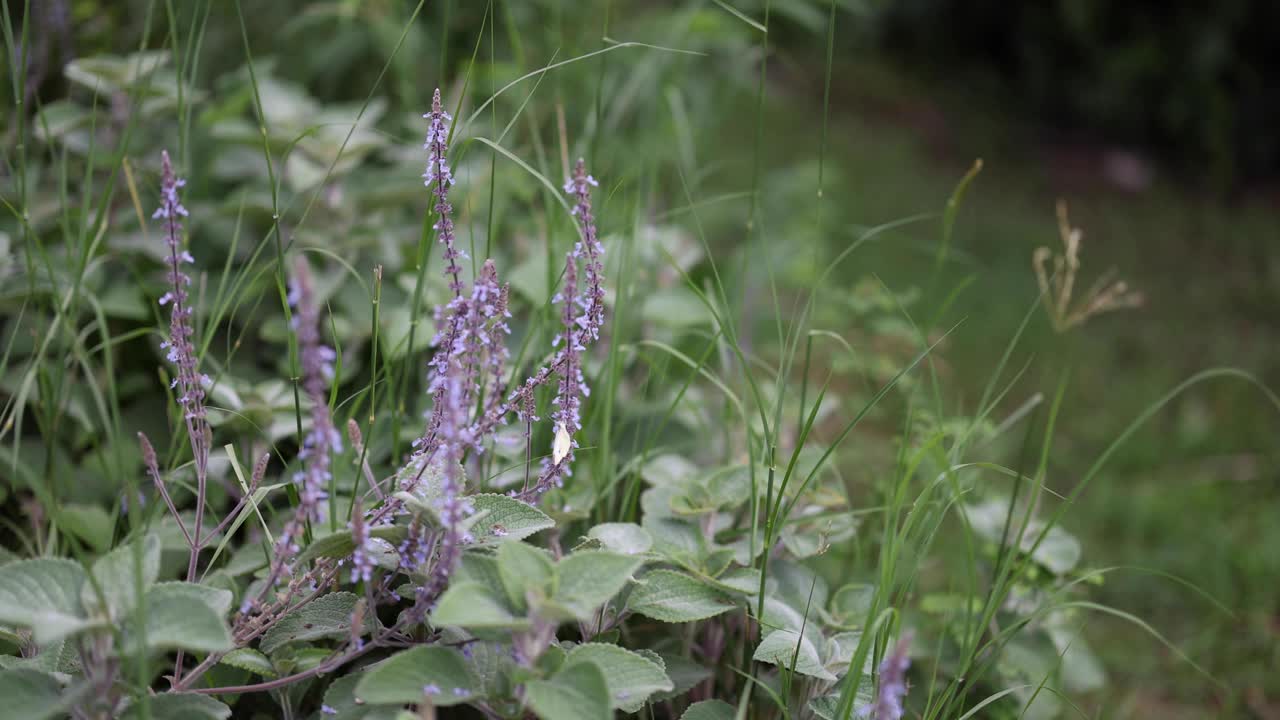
416	547
892	688
361	557
460	692
328	710
431	689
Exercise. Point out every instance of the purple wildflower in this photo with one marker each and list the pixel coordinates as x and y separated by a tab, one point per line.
893	683
328	710
439	175
361	557
590	249
317	371
415	549
579	329
323	439
431	689
188	381
452	507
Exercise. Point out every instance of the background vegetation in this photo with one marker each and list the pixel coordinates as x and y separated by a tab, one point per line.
741	148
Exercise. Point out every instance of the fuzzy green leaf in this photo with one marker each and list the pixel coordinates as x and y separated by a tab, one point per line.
328	616
340	697
500	518
631	677
90	523
251	660
474	605
118	577
524	569
182	706
217	599
674	597
340	544
709	710
577	692
623	538
184	616
780	648
438	674
586	580
31	695
44	595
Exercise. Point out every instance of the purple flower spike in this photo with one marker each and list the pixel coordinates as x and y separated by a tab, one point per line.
452	506
582	316
590	249
893	683
189	382
323	440
439	177
361	557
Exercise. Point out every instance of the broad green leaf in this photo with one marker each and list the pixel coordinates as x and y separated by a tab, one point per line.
577	692
668	470
44	595
684	674
500	518
678	541
840	649
473	605
218	599
340	544
492	664
1059	553
183	616
435	673
586	580
827	707
851	604
245	559
780	648
478	567
1081	671
631	677
90	523
340	698
624	538
709	710
56	657
743	581
31	695
328	616
182	706
674	597
251	660
524	569
118	577
102	73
